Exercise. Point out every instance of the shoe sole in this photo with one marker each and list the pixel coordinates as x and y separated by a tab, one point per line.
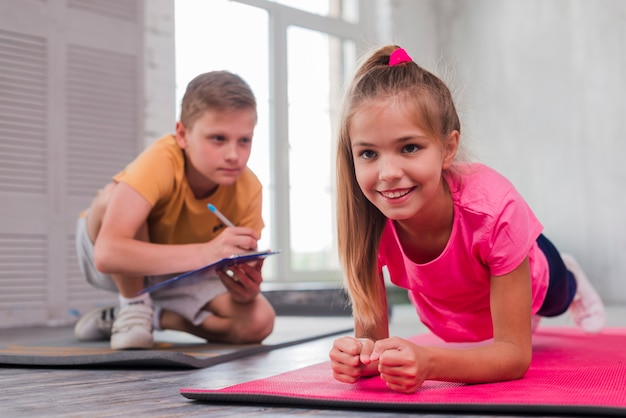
122	343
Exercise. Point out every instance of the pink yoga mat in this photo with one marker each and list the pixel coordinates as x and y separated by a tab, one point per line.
571	372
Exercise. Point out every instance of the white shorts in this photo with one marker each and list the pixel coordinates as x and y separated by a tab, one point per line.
187	300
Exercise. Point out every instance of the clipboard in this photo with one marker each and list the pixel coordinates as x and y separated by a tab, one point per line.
193	275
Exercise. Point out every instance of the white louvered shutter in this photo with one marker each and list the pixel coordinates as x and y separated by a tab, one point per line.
70	117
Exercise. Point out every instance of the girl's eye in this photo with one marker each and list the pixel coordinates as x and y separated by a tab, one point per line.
245	140
410	148
218	138
367	154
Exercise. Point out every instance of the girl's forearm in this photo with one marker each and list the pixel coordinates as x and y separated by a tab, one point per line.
499	361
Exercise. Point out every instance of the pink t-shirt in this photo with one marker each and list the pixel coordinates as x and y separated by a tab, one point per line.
493	231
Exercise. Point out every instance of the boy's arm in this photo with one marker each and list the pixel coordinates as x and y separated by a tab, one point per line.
405	365
117	250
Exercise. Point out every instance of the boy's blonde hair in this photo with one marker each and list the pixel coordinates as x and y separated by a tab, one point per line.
359	223
215	90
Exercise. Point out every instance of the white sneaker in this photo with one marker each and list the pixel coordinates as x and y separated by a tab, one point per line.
587	309
133	327
96	324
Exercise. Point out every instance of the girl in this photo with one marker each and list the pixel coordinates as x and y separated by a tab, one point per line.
457	235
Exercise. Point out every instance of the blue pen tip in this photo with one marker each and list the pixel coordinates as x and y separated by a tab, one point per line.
211	207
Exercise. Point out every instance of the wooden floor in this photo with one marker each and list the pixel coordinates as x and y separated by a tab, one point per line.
62	392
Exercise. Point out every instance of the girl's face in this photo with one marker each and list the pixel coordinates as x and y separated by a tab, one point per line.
217	147
398	166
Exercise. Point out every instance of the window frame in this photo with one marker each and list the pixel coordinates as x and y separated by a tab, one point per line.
280	18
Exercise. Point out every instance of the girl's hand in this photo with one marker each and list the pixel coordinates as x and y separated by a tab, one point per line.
243	281
349	358
401	364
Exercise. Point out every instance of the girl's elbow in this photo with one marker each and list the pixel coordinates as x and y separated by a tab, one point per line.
520	367
517	360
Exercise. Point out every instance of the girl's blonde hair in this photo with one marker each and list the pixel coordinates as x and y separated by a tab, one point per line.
359	223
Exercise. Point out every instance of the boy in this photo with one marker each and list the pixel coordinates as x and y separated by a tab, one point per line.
151	223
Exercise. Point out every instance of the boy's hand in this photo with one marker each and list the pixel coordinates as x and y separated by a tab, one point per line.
243	281
235	240
350	357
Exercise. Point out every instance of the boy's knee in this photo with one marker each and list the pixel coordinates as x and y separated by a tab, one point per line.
96	210
256	326
102	197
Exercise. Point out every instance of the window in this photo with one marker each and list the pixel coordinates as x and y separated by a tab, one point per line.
295	55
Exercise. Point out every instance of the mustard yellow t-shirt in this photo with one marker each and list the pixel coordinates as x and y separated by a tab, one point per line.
177	217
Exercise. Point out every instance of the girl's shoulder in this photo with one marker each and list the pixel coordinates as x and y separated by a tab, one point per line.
479	187
475	173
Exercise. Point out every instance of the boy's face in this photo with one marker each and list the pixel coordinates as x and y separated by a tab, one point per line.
217	147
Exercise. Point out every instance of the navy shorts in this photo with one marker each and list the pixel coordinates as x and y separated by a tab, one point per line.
562	285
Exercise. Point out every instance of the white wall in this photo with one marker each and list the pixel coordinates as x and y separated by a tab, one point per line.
541	88
159	69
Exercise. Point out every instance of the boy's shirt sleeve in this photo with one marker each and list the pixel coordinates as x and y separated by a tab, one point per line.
153	173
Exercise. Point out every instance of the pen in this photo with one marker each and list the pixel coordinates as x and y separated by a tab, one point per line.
220	216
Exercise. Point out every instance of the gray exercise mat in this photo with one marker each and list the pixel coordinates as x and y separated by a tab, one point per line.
58	347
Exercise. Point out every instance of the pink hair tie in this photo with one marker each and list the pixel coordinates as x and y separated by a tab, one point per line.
398	57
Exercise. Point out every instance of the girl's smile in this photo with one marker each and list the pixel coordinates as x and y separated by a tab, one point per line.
395	194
